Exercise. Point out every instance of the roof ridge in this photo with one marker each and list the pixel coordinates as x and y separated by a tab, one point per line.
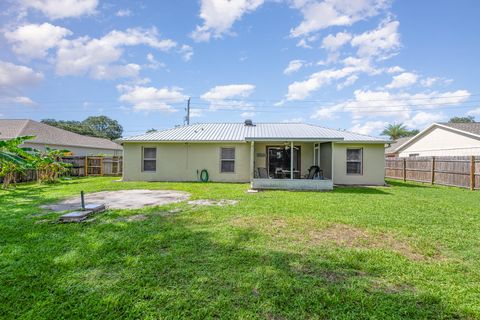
27	121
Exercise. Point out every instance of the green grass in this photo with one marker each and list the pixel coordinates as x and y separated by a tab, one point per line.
407	251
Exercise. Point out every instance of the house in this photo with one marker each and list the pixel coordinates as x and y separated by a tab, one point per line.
56	138
444	139
259	153
391	149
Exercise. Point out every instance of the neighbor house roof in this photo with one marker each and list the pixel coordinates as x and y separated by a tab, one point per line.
473	127
48	135
392	148
469	129
211	132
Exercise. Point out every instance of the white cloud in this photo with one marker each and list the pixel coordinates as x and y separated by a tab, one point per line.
12	75
399	106
34	40
12	78
350	81
402	80
368	127
186	51
90	56
247	114
421	119
229	96
293	66
335	42
150	98
294	120
299	90
228	91
380	43
123	13
431	81
55	9
153	63
395	69
220	15
318	15
101	72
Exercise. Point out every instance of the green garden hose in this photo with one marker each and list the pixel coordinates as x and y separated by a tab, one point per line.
204	175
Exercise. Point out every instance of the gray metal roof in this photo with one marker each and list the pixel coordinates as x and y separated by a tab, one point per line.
45	134
239	132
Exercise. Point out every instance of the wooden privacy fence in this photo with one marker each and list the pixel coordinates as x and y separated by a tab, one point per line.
82	167
94	166
461	172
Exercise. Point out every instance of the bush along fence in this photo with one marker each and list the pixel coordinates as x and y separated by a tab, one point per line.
82	166
461	172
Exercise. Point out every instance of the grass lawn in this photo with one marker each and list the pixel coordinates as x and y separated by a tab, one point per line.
407	251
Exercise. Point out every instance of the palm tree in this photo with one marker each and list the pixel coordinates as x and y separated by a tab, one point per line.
395	131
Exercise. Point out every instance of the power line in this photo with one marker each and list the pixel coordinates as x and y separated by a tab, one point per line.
176	101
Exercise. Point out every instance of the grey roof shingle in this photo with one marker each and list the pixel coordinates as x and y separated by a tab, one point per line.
473	127
396	144
45	134
240	132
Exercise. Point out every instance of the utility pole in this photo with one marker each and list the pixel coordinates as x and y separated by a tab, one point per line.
187	117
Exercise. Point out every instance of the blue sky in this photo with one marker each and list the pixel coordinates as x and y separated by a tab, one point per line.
355	65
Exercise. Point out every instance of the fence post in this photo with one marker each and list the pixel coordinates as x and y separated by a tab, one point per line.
85	167
404	169
101	166
472	173
433	170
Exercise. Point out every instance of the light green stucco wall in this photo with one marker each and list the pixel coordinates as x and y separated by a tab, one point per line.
373	164
180	162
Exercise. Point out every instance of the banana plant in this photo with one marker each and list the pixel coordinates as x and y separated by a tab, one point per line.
14	159
49	164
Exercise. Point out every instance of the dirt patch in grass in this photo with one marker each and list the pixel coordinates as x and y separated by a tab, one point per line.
349	236
122	199
343	235
208	202
137	217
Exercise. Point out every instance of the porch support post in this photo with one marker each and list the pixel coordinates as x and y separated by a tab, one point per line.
291	159
252	161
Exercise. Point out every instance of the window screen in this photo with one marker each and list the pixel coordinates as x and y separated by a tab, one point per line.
354	161
227	160
149	159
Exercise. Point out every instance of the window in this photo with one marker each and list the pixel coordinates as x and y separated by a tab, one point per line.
413	155
227	160
149	159
354	161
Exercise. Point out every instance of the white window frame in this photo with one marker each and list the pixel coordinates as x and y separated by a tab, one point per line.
356	161
149	159
234	160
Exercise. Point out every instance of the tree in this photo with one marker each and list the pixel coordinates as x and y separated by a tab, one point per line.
467	119
398	130
105	126
49	164
151	130
99	126
14	159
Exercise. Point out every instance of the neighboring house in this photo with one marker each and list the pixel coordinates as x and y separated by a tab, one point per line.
391	151
444	139
241	152
56	138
